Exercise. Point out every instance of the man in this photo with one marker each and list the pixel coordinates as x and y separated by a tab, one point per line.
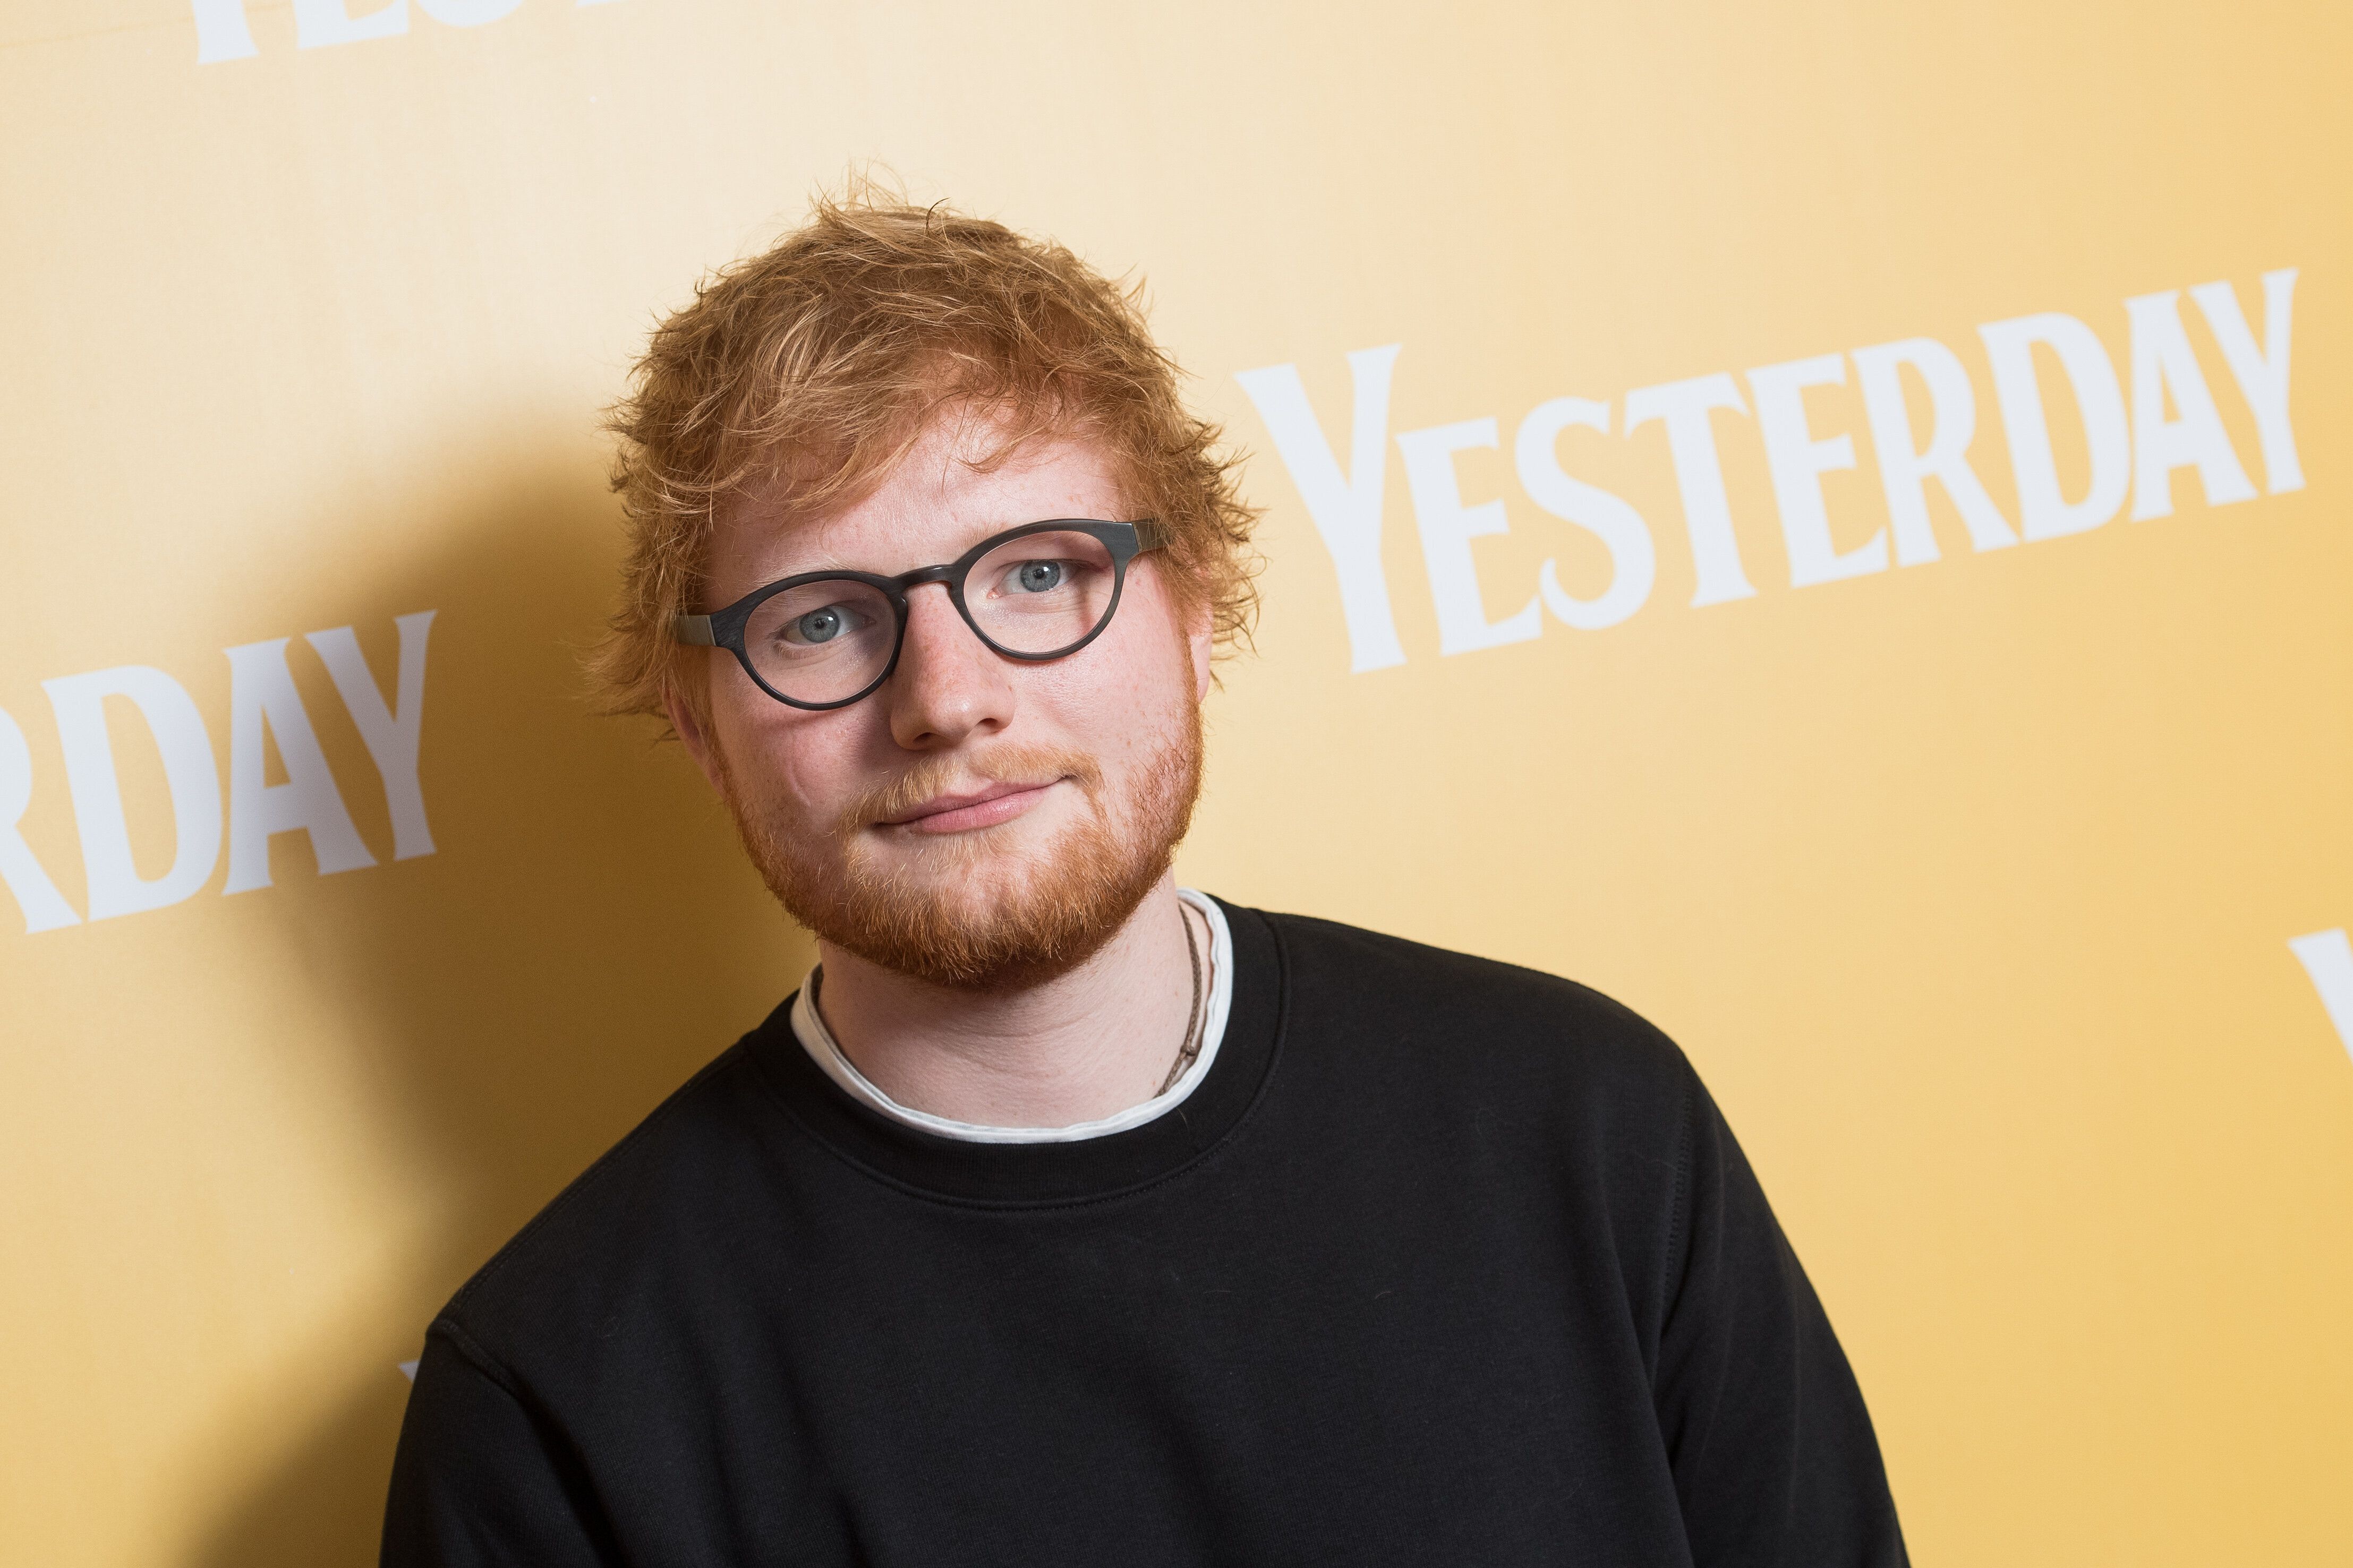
1064	1216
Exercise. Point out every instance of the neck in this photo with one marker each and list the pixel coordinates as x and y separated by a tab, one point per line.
1085	1044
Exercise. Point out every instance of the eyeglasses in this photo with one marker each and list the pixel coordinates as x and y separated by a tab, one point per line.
824	639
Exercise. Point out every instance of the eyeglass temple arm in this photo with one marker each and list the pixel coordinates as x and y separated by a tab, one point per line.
694	630
1152	535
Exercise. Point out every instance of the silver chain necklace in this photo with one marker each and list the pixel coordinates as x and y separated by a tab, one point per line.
1192	1049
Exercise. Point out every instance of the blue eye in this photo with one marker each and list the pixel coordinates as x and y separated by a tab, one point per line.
1039	576
822	626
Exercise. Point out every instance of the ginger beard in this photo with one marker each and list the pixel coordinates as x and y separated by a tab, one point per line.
994	908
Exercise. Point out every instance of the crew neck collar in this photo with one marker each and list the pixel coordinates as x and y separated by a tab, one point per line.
816	1037
1223	1089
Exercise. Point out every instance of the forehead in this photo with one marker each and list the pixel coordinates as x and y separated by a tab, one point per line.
956	485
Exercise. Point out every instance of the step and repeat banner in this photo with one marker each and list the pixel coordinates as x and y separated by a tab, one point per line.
1827	521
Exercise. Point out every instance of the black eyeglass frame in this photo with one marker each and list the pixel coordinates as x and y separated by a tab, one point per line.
724	628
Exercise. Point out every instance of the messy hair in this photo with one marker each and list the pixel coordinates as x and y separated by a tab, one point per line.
807	371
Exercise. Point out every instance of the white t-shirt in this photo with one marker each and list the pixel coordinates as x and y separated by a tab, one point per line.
809	1028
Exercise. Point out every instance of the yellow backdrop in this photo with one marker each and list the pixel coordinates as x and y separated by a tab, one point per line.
1967	870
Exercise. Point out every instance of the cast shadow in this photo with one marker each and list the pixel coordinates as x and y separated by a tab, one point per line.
584	937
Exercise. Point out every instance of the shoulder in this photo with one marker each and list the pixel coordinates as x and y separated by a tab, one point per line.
1454	1026
1379	986
653	1202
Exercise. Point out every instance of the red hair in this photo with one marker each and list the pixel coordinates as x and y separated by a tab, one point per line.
808	370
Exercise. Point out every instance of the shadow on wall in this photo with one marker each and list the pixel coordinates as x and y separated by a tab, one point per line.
585	936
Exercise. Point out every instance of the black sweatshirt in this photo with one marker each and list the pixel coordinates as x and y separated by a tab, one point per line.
1445	1262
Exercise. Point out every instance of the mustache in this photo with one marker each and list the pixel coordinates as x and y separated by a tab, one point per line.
932	776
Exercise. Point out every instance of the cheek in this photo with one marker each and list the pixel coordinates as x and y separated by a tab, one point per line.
779	754
1114	696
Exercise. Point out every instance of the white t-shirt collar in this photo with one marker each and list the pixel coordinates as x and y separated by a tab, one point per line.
809	1028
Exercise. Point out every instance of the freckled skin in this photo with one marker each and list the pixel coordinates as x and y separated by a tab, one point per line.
1059	1052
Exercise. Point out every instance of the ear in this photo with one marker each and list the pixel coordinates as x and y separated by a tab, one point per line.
693	733
1199	642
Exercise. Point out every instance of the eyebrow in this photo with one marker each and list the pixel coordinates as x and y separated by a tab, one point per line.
835	563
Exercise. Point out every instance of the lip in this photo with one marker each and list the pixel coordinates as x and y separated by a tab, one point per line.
961	811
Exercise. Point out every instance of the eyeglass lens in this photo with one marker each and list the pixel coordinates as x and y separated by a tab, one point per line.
828	640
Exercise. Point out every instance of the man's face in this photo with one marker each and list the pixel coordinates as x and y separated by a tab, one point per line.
976	822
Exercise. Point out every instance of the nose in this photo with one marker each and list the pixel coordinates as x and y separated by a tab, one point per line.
949	684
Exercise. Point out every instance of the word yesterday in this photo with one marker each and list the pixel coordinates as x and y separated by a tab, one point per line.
2136	442
222	32
262	702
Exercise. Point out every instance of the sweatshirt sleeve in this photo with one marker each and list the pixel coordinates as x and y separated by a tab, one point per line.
1775	1462
477	1481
